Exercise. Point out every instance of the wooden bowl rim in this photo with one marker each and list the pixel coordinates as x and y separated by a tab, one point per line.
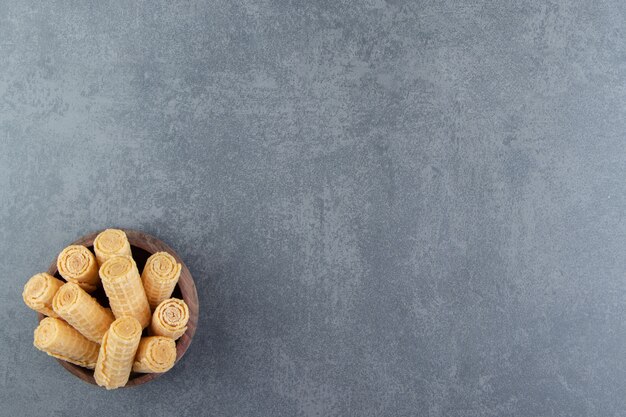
186	284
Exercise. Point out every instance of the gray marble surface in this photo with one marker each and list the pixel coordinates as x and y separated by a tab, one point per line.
390	208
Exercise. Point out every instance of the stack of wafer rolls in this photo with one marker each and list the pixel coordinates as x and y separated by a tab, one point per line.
170	319
108	337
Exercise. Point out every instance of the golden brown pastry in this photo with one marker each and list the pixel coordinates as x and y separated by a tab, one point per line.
170	319
59	339
117	353
155	354
39	292
123	286
110	243
159	277
82	311
77	264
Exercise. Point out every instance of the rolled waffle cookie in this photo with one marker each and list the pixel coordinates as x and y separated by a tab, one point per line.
59	339
159	277
110	243
82	311
155	354
117	353
123	286
170	319
77	264
39	292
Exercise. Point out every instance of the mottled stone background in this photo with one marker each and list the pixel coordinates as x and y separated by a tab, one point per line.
391	208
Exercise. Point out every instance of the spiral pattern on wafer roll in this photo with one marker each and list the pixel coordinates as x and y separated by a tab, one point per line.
155	354
159	277
170	318
110	243
77	264
39	292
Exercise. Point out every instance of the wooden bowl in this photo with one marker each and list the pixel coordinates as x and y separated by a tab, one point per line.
143	245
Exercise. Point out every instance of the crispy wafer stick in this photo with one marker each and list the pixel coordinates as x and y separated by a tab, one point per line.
59	339
39	292
159	277
155	354
110	243
117	353
82	311
77	264
170	319
122	285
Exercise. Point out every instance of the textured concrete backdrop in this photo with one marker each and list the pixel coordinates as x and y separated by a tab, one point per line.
390	208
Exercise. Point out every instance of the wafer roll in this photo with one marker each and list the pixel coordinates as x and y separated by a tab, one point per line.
159	277
110	243
39	292
123	286
77	264
82	311
59	339
155	354
170	319
117	353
